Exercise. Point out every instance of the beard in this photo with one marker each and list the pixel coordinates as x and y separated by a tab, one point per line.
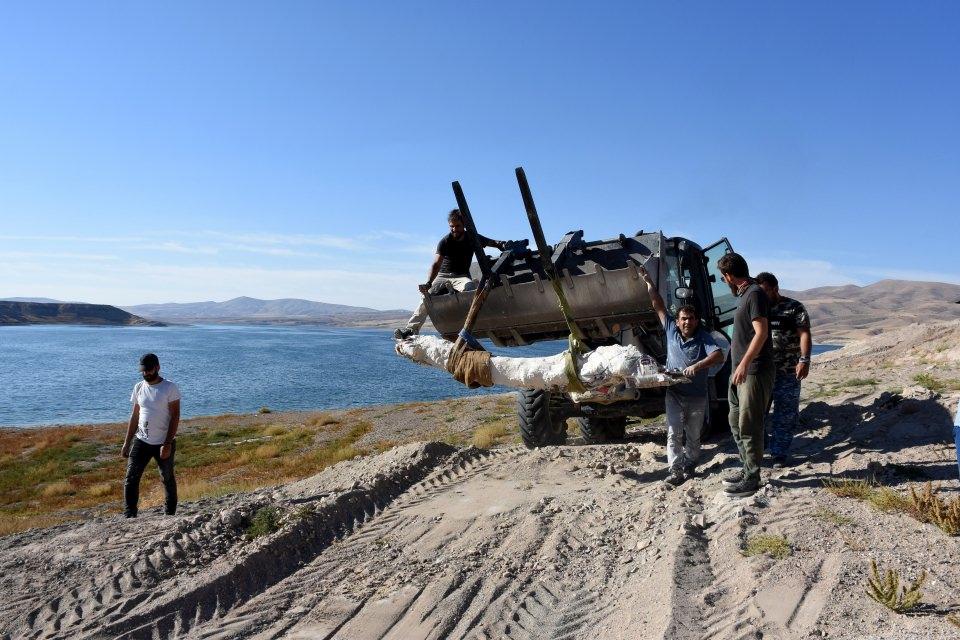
733	288
150	377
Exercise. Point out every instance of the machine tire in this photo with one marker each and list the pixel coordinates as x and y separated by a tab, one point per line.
616	428
537	428
719	424
601	430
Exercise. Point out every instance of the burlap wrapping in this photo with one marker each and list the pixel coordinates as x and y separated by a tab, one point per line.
471	368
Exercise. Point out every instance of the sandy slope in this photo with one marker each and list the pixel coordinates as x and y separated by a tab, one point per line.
426	541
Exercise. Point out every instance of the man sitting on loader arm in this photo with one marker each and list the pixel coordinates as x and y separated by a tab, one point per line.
694	351
451	267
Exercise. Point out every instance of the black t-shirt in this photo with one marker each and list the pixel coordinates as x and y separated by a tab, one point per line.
753	304
457	255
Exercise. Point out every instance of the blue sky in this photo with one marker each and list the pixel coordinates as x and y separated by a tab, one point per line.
156	152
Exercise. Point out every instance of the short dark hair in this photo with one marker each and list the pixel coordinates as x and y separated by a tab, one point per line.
734	264
454	215
688	309
149	361
765	277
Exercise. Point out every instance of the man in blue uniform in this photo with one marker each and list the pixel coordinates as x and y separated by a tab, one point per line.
694	351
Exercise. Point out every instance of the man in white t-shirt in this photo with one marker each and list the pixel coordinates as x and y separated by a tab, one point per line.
150	434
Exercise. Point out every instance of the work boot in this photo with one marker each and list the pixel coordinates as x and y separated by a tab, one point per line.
689	471
675	479
779	462
746	487
731	479
402	334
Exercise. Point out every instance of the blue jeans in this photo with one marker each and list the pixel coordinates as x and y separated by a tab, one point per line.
956	444
783	419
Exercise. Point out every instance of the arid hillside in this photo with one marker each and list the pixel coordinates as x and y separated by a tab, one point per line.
845	313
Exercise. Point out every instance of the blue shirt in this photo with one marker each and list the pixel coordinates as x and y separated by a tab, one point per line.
684	353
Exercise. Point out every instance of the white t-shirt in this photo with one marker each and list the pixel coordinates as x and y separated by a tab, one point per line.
154	400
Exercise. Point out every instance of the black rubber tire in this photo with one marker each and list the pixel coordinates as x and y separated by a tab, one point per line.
616	428
593	430
719	423
537	426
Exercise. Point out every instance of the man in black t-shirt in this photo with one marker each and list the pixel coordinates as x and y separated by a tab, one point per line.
751	382
451	267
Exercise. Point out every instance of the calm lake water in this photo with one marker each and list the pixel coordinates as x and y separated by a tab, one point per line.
54	374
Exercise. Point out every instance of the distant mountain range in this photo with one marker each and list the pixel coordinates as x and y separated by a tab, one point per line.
246	310
848	312
839	313
16	312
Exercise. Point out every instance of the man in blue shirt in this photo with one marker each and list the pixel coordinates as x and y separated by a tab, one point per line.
693	351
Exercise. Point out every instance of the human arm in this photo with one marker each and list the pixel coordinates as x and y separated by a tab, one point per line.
174	408
655	298
806	346
715	358
496	244
761	328
434	270
131	429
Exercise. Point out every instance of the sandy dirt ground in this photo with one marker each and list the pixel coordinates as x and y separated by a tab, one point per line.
431	541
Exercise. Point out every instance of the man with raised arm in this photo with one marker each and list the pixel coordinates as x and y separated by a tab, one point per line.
694	351
792	342
751	382
151	433
450	267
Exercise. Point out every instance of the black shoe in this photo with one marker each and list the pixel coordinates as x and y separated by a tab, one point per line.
689	471
675	479
746	487
779	462
402	334
734	478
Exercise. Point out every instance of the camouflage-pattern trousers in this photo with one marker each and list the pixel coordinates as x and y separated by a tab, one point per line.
784	416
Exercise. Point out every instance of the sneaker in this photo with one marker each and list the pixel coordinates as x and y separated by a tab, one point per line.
402	334
746	487
779	462
675	479
689	471
734	478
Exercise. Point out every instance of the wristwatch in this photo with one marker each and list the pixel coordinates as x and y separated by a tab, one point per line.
804	360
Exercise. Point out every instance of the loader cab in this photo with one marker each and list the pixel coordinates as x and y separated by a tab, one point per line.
692	277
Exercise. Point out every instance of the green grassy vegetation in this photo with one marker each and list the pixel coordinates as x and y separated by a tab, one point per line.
766	544
938	385
848	487
832	517
889	591
265	521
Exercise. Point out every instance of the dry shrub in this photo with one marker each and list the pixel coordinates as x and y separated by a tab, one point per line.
488	435
928	506
766	544
322	420
888	500
265	451
62	488
10	524
888	591
100	490
848	488
274	430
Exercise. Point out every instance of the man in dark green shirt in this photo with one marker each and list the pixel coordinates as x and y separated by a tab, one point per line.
751	382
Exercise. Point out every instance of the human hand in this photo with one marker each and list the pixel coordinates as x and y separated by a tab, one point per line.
803	370
740	375
125	450
690	371
165	451
424	288
646	276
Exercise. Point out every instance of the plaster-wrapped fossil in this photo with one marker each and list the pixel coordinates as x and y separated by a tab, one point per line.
609	373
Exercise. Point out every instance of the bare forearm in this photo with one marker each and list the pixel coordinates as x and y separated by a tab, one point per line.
713	359
172	429
131	429
806	343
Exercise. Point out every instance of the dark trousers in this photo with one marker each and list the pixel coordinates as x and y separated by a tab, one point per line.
140	454
784	417
748	406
